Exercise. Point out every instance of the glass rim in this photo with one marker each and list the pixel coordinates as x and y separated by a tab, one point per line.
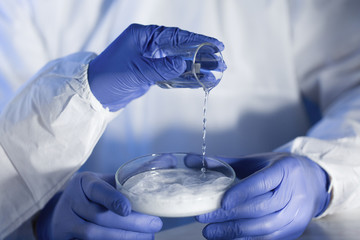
117	182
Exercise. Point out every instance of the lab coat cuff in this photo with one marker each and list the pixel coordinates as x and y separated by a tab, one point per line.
293	147
85	90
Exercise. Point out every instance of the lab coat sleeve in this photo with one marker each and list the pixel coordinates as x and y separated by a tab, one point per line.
334	143
327	63
47	132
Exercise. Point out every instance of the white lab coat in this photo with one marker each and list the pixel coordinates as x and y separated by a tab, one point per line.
276	52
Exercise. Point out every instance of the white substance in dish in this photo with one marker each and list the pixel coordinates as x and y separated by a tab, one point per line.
176	192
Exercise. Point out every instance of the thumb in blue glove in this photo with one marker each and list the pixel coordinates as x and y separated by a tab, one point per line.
125	69
91	208
277	199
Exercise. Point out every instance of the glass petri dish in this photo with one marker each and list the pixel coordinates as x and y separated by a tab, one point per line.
173	184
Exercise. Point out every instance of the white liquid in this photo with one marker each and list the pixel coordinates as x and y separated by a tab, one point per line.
175	192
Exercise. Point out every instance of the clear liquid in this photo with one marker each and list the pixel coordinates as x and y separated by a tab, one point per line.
203	169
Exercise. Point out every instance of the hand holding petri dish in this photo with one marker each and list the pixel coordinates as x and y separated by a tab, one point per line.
204	65
173	185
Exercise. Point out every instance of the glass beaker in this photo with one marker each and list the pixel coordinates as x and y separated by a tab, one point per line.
204	66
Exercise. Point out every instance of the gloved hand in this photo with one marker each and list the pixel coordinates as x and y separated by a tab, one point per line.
125	69
91	208
277	198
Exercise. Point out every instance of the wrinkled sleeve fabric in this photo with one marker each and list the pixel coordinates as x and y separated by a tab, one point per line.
327	63
47	132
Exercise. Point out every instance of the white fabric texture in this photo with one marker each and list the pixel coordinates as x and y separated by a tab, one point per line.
47	132
276	51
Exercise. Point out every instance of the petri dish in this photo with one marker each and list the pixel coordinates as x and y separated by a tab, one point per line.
173	184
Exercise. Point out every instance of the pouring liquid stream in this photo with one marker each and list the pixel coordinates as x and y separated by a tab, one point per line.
203	169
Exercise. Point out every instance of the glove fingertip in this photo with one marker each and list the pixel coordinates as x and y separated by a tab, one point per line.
221	46
122	207
206	232
125	211
225	203
200	219
156	224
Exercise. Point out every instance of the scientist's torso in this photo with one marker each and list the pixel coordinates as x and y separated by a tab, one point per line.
255	108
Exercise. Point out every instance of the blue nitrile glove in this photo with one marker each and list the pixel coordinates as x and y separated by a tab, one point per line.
277	198
91	208
126	69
